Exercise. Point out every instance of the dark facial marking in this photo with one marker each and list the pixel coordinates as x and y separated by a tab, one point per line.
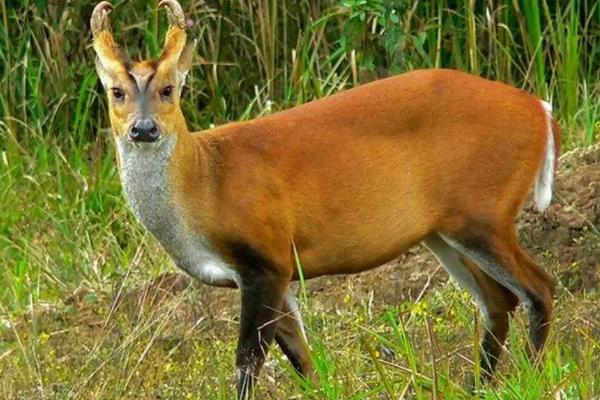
142	82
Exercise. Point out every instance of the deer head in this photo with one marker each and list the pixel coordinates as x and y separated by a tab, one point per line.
144	95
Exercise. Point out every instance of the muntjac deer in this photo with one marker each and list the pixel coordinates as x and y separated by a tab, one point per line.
436	157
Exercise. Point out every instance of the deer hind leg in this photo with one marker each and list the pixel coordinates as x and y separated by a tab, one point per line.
290	336
500	257
539	325
494	300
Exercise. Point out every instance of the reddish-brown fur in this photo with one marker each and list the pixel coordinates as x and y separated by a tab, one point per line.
351	181
357	178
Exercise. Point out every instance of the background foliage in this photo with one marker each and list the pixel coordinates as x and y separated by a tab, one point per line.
63	222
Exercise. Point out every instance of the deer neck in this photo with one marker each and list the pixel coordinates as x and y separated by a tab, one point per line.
151	177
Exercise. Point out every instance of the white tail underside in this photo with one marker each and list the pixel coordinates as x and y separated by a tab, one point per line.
545	176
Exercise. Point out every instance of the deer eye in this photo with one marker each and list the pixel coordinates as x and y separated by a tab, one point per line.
118	94
167	91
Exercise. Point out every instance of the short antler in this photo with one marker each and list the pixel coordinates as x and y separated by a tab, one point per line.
109	57
98	20
174	13
177	52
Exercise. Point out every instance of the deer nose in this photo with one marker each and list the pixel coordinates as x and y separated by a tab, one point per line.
144	130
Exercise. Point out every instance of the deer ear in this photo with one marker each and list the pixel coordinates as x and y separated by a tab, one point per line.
102	73
177	53
108	57
185	60
174	44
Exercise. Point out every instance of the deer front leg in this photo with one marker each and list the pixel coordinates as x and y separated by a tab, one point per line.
291	338
262	299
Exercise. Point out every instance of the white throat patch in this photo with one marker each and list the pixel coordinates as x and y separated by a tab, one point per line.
144	176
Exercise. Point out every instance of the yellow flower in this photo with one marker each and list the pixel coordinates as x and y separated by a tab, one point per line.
44	337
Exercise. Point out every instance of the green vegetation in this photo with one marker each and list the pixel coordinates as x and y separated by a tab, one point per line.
64	224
